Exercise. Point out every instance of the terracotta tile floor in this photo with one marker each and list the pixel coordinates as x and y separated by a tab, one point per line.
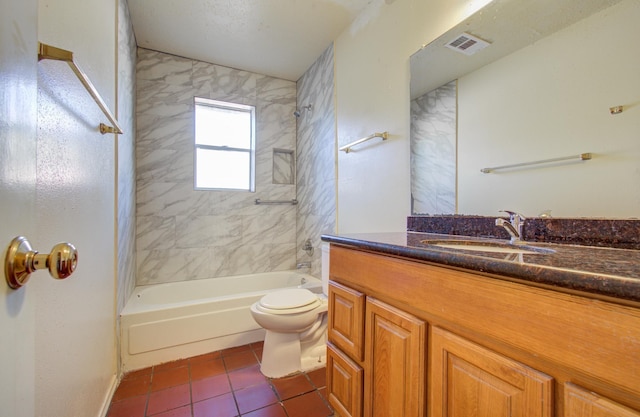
227	383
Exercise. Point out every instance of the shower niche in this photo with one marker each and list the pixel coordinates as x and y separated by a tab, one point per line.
283	166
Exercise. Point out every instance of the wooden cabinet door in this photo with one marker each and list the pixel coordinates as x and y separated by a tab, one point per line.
395	362
346	319
344	383
579	402
468	380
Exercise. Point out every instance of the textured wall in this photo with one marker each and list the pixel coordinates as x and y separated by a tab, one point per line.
433	151
316	158
184	234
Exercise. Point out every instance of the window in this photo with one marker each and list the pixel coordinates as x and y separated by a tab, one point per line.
224	145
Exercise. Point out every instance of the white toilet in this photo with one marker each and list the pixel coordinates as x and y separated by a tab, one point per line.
295	321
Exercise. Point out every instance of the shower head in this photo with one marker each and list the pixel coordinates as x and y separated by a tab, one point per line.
298	113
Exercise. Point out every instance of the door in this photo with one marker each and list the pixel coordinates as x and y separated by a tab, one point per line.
18	115
395	362
344	383
346	319
468	380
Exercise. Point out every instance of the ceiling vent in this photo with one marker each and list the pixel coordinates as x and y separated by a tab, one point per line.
467	44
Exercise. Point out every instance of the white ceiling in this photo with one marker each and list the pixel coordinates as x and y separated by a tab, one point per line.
280	38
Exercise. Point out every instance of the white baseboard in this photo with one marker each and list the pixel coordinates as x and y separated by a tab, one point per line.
107	401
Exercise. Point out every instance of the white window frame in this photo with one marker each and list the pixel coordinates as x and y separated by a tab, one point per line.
199	101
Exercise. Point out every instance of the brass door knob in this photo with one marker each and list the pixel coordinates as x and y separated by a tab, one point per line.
22	260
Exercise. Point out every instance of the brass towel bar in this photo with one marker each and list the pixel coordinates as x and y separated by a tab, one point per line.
347	148
581	157
51	52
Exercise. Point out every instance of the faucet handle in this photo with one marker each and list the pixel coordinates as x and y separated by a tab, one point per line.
513	215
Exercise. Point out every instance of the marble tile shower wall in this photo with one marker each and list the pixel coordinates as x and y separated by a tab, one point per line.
316	158
183	234
433	151
126	264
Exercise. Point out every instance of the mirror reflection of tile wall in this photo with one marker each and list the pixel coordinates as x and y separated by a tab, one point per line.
433	151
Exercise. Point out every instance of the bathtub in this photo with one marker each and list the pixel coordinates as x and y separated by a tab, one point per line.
166	322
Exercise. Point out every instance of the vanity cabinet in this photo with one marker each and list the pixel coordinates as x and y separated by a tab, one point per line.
388	377
409	338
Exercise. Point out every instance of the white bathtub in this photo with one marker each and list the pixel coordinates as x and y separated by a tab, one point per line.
165	322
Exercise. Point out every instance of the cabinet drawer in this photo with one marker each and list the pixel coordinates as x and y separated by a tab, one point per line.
346	319
344	383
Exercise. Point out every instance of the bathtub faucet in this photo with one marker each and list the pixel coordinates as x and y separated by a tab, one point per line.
303	265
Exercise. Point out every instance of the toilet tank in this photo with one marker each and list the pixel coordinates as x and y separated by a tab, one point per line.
325	268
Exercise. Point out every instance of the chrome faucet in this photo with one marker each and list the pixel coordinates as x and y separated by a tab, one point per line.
513	226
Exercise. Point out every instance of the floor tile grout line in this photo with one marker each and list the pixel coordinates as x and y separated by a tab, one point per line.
149	390
317	389
190	388
269	381
233	392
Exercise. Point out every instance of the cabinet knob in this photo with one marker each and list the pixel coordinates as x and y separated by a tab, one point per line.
21	260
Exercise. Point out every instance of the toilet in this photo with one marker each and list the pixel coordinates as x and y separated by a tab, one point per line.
295	320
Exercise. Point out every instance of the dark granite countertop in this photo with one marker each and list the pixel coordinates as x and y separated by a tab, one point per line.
604	272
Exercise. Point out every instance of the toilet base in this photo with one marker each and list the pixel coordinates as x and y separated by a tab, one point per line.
280	354
317	358
284	354
313	347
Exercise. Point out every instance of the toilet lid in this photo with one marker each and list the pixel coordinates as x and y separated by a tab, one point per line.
288	299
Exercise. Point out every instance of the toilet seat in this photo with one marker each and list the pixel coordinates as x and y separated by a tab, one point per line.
288	301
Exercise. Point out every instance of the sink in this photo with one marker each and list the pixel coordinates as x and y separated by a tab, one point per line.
488	246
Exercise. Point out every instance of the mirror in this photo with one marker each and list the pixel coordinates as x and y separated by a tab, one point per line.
459	127
433	151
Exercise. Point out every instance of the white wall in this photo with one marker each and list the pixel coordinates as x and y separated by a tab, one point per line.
372	87
551	100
